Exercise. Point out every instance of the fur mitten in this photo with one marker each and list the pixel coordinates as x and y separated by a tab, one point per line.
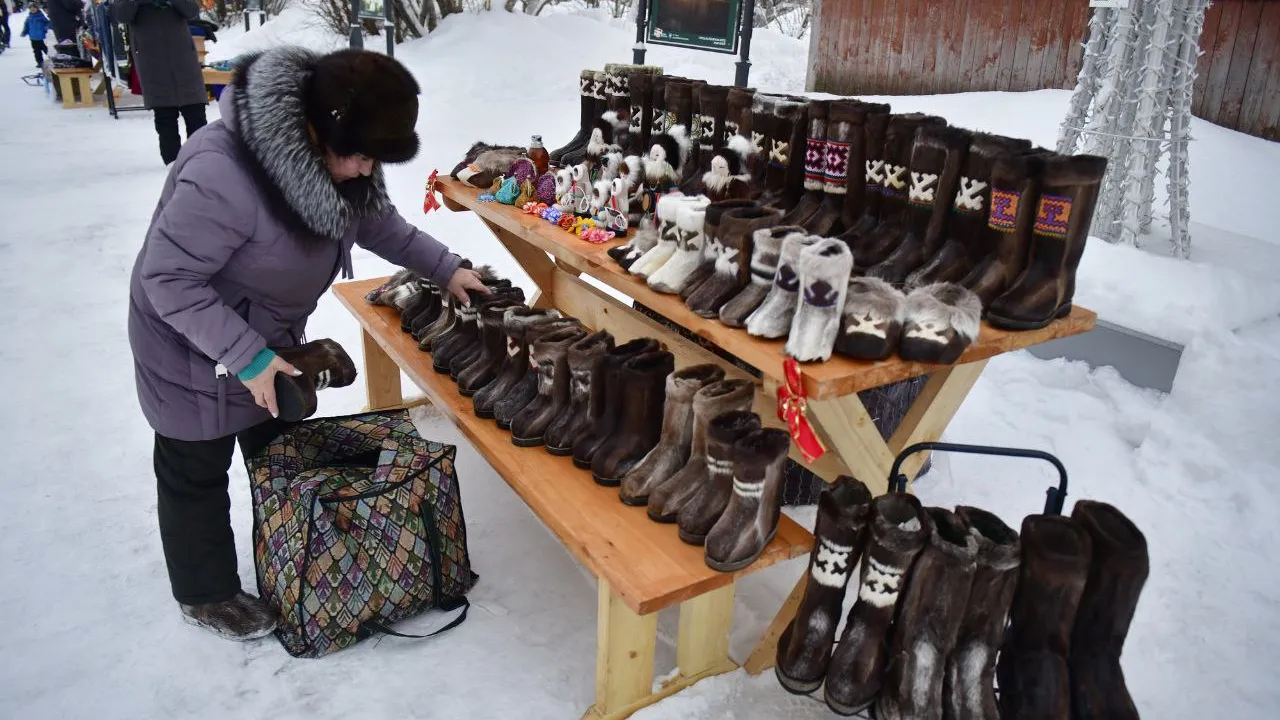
873	315
942	320
773	318
824	281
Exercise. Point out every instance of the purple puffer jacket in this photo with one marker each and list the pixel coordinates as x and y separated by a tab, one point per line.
248	233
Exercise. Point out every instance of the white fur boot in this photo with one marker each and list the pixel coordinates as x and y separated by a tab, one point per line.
657	256
773	318
824	281
873	314
942	320
672	276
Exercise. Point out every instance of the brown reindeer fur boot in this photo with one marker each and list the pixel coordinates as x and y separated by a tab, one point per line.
584	356
606	406
751	518
644	384
704	509
676	439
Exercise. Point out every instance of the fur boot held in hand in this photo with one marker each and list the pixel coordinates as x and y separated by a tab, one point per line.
669	496
899	529
751	519
824	281
584	356
804	649
704	509
1117	573
968	690
773	318
874	312
943	319
767	244
644	383
323	364
1033	671
676	438
933	606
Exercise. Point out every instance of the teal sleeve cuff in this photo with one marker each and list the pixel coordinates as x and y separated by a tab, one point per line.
257	365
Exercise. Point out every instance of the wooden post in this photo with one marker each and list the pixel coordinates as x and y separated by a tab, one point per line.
624	655
702	642
381	375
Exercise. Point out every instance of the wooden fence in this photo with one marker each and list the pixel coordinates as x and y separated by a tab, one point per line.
1238	85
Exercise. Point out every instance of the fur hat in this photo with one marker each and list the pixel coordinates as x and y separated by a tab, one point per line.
366	103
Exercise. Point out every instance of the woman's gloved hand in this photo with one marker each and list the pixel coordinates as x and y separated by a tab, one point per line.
464	280
263	385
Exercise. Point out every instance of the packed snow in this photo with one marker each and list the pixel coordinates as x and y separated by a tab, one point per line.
94	630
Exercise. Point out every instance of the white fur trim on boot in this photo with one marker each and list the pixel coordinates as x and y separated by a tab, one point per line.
942	319
874	312
773	318
650	262
824	281
672	276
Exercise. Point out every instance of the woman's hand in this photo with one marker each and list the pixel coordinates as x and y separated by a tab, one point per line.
263	385
464	280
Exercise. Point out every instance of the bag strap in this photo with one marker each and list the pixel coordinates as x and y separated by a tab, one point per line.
464	604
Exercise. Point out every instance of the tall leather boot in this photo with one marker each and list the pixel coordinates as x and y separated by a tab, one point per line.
704	509
584	356
1044	291
952	262
1117	573
641	113
525	391
710	111
815	166
873	246
666	500
711	242
1032	671
766	247
732	271
804	649
1000	250
323	364
773	318
785	141
551	354
845	121
751	518
644	383
493	343
516	321
968	691
862	209
898	531
737	119
591	96
467	354
676	438
606	407
933	607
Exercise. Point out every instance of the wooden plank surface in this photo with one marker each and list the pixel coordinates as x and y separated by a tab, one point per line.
1233	96
644	563
1204	64
1223	46
836	377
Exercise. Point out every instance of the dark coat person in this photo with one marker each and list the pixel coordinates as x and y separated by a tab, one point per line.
66	16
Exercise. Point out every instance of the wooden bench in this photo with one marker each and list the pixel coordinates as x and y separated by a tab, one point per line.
643	567
74	88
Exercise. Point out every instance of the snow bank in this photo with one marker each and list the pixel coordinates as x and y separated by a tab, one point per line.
297	24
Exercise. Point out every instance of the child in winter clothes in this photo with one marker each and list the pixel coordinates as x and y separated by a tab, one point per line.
36	27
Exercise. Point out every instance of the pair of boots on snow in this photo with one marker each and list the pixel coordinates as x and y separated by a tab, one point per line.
926	638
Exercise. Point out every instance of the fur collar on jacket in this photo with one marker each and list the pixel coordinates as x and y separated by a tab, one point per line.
268	96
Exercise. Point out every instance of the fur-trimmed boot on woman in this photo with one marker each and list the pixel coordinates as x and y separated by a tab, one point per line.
936	162
773	318
942	320
605	407
551	355
815	166
751	518
824	281
676	438
1064	213
711	243
1118	570
933	607
704	509
644	383
732	271
585	356
953	261
689	241
668	497
321	364
855	674
524	392
874	312
968	691
1033	670
515	365
804	649
766	247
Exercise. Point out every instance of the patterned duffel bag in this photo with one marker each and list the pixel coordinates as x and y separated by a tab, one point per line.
357	524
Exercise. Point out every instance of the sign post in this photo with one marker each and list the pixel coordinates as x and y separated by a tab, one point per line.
722	26
379	11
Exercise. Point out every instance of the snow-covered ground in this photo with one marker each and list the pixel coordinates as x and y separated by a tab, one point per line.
94	631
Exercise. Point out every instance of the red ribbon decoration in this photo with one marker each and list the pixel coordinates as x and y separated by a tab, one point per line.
792	405
430	201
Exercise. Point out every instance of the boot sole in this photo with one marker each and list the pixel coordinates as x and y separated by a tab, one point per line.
606	482
290	403
484	414
696	540
582	464
790	684
256	635
560	452
665	519
1012	324
466	393
845	710
634	501
527	442
736	566
504	425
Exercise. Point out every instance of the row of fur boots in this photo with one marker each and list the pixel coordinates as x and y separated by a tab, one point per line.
950	604
682	441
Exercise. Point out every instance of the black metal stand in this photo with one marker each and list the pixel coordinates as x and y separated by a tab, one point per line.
1055	498
744	51
356	40
642	19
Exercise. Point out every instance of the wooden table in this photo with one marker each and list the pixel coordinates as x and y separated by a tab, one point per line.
74	86
642	566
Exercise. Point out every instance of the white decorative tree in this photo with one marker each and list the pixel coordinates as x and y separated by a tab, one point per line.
1132	105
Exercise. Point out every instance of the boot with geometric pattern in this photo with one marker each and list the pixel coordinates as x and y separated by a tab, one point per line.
824	281
1000	250
815	166
593	104
866	172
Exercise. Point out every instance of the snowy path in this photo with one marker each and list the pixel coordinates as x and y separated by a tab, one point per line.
94	631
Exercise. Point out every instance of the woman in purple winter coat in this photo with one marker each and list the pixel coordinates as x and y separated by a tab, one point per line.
257	217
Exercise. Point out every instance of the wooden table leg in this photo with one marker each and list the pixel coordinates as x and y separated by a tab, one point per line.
933	410
624	657
765	653
381	375
702	642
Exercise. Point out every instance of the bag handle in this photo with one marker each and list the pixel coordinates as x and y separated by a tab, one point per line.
1054	497
465	604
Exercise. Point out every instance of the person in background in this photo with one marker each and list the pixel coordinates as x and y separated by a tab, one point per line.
164	56
4	24
66	16
36	27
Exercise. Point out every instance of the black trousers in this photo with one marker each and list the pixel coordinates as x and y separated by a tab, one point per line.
38	48
4	31
195	511
167	127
